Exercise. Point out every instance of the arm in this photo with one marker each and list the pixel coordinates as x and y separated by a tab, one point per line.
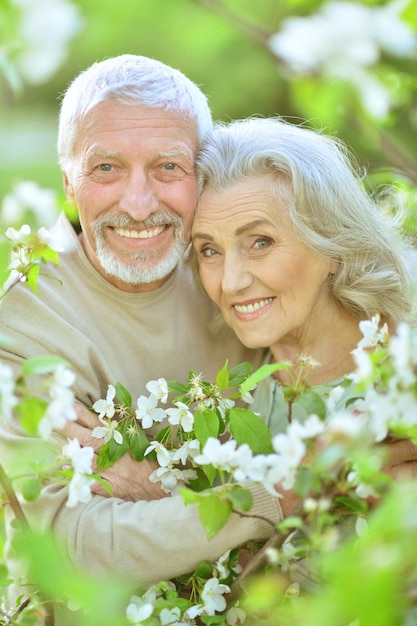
143	541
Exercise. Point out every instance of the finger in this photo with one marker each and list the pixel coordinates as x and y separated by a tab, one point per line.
73	430
404	471
401	451
85	417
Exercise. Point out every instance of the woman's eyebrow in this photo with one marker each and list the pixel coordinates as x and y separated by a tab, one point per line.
239	231
251	225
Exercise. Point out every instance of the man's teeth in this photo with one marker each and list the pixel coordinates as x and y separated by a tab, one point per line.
251	308
141	234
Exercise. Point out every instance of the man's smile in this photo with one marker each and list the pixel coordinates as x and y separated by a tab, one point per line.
140	234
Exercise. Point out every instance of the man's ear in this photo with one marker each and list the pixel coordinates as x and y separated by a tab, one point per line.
68	188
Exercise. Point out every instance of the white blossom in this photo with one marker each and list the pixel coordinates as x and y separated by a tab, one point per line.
345	40
223	456
163	456
79	489
361	526
44	30
61	406
212	596
372	333
138	611
170	477
147	411
7	387
181	416
403	350
28	196
106	407
107	431
235	615
171	617
81	457
188	450
364	367
18	236
159	389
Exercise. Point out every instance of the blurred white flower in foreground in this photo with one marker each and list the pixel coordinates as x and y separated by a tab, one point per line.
28	197
344	40
44	32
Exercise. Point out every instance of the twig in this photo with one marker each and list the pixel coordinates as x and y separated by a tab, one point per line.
255	32
261	558
10	616
12	498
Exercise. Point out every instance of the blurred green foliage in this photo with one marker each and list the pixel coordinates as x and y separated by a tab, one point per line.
221	45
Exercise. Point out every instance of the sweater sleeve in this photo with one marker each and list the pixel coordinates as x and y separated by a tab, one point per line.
145	542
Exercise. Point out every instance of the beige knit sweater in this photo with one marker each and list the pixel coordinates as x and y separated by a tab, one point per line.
112	336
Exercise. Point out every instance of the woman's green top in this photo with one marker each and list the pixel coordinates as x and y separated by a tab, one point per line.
269	402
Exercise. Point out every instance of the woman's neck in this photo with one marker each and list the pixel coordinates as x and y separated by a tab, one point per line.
330	347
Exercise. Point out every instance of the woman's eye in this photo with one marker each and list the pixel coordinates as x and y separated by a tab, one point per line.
262	242
209	252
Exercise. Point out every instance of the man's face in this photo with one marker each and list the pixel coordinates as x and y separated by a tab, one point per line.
132	180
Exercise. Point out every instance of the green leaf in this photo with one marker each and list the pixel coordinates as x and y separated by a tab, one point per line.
123	395
263	372
203	570
42	365
201	482
138	443
241	499
239	373
189	496
214	513
313	403
206	424
177	387
222	378
117	450
31	411
246	427
103	459
290	523
32	276
50	255
210	472
31	489
306	481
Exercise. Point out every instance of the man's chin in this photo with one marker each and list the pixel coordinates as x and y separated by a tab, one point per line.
140	272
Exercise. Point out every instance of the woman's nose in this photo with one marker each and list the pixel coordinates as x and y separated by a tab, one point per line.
236	275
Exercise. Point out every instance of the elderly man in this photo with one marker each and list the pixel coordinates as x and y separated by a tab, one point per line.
125	308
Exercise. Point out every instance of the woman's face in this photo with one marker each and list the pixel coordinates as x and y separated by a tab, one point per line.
267	284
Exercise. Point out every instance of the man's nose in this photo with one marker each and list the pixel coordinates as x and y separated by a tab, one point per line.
139	198
236	275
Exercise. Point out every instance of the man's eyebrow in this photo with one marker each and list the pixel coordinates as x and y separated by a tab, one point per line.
176	152
103	154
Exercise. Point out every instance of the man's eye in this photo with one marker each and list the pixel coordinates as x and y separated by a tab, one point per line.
105	167
170	166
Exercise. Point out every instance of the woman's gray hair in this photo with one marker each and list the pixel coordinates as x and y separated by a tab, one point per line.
331	212
129	79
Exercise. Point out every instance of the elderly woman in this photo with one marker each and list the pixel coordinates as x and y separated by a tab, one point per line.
294	252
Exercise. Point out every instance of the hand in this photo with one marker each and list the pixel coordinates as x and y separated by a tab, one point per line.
128	479
402	459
